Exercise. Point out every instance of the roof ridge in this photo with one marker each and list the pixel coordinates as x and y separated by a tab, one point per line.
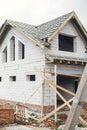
55	19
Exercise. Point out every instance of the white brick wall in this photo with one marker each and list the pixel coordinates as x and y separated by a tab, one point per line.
21	89
34	55
71	31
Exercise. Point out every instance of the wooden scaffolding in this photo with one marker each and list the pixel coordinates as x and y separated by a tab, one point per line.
54	86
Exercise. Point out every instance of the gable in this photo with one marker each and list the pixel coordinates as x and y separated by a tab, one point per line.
77	24
69	29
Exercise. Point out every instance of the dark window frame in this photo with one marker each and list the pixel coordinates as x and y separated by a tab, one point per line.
0	79
22	46
31	77
12	78
66	43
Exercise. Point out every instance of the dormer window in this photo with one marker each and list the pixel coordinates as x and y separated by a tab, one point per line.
66	43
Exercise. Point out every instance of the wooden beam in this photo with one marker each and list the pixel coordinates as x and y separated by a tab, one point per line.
32	94
59	94
53	112
66	103
32	117
69	75
55	93
49	58
53	84
42	100
76	106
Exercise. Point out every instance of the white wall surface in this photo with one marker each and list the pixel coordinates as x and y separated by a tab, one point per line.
21	89
79	44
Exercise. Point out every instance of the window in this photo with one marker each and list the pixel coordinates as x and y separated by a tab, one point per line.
0	79
76	86
66	43
12	49
12	78
30	77
21	50
5	55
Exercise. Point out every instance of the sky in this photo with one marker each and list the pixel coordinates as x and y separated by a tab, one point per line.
36	12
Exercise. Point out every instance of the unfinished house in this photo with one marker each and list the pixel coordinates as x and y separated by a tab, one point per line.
36	59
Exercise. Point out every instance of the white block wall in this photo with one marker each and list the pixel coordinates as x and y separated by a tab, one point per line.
21	89
49	93
34	56
79	44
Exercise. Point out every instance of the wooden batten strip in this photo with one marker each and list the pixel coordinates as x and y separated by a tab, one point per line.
70	75
33	94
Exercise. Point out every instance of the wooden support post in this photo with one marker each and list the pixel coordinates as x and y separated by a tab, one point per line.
77	103
55	93
42	101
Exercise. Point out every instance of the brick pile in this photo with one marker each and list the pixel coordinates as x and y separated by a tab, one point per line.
6	116
85	111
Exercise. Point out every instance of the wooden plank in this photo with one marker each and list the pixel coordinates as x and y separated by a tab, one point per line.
55	93
70	75
53	112
60	96
76	107
80	118
53	84
33	94
32	117
42	101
